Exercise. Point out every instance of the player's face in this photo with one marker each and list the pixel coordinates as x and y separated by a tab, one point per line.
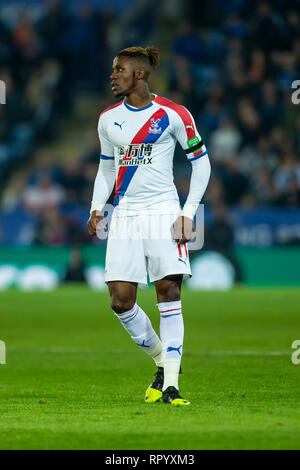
122	77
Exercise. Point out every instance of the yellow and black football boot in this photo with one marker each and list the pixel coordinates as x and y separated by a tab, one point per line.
171	396
154	391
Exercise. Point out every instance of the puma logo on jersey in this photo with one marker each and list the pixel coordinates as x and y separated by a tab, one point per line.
120	125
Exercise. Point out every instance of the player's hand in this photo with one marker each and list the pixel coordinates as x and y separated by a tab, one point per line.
94	219
183	229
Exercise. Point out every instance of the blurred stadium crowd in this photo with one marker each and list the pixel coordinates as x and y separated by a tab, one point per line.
232	63
44	51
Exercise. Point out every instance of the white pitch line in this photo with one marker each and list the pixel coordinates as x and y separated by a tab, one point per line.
243	353
212	352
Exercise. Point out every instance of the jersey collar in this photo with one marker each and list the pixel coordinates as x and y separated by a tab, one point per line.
132	108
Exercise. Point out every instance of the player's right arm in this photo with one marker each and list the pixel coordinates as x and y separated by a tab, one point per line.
104	182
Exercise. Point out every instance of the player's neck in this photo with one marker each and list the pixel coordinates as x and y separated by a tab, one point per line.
140	97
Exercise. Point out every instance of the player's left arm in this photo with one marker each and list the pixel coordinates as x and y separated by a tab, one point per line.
196	152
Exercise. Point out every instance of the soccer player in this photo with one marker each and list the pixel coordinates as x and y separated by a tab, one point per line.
137	138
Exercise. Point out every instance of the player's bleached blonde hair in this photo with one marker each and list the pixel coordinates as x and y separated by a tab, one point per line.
148	55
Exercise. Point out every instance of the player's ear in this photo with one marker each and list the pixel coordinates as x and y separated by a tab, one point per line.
139	74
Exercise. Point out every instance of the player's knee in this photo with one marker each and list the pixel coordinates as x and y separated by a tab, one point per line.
121	305
169	292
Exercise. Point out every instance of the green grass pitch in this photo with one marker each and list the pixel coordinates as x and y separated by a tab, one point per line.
75	380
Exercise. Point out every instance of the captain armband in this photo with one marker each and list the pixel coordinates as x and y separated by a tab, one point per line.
194	147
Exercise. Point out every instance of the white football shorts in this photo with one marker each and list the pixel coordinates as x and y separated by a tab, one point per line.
141	244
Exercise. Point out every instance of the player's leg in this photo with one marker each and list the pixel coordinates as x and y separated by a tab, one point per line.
168	265
125	270
134	319
168	292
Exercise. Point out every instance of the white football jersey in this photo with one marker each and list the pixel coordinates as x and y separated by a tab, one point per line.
140	143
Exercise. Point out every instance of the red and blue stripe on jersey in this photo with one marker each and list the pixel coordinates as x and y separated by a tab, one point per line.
187	121
126	174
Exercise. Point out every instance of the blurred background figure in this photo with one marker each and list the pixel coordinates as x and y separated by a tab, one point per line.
232	63
75	270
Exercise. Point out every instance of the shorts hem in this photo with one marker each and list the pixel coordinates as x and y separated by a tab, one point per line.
185	276
141	285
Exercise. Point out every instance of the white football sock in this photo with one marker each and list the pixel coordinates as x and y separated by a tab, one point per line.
139	326
171	333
